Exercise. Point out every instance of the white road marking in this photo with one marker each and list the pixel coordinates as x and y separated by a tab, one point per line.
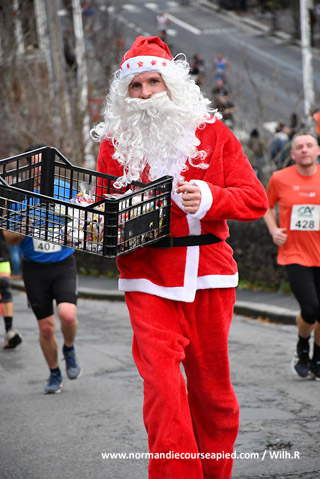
217	31
173	19
130	8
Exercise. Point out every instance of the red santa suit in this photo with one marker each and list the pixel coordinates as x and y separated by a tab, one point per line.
180	302
229	189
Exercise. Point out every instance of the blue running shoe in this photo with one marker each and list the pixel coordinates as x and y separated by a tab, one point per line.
54	384
72	366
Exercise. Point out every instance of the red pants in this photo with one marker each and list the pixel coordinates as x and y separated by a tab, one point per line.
204	420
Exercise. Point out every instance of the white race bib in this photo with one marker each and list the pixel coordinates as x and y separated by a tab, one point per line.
41	246
305	218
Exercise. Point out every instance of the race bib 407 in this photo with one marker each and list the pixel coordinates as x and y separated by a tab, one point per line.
44	247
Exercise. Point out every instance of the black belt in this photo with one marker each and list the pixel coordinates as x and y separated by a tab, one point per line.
192	240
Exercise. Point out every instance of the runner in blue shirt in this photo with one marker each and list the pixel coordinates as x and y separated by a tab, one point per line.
49	273
221	68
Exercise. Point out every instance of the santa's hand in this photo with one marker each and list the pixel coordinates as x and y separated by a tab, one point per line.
191	196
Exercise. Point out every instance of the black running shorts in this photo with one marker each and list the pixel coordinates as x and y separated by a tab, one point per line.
45	282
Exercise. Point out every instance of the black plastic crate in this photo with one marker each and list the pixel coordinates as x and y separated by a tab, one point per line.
44	196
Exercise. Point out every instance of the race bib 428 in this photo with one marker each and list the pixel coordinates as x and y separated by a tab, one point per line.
305	218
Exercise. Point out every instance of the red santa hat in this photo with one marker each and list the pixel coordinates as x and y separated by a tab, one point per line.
146	54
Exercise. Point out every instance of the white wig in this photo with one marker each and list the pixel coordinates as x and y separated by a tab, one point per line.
155	134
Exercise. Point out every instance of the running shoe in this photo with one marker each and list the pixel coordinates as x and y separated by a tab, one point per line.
301	363
72	365
54	384
315	369
12	340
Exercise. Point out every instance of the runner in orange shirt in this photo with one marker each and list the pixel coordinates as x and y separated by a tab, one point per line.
296	190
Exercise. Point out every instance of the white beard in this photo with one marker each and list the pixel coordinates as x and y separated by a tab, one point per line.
153	136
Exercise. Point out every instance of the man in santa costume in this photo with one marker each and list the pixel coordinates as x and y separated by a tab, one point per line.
180	299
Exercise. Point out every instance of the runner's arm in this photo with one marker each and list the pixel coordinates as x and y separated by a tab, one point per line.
279	236
13	239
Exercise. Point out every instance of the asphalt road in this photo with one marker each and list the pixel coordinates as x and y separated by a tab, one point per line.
266	75
64	436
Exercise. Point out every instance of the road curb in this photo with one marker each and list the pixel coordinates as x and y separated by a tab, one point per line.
274	314
85	293
110	295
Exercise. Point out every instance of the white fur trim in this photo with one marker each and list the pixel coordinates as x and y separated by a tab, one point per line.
185	293
194	225
218	281
177	198
179	293
205	204
146	286
136	65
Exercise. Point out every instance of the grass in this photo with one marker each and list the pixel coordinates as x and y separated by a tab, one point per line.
264	286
